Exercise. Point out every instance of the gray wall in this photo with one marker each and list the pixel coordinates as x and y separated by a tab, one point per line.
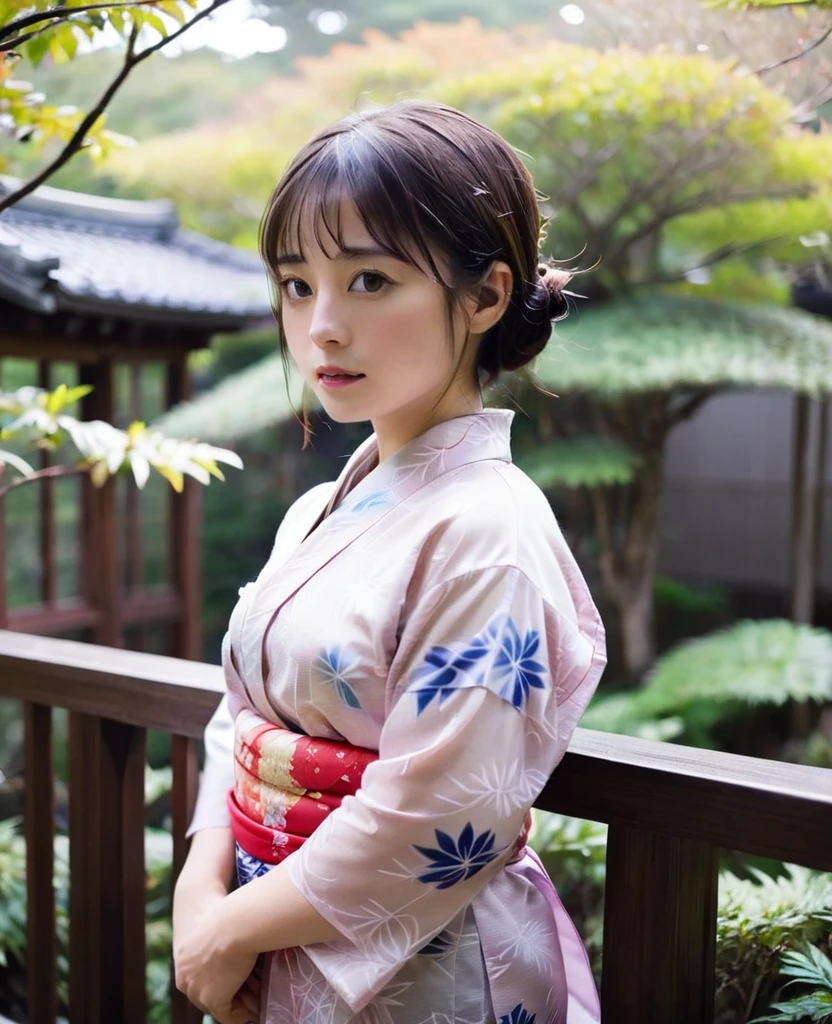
726	510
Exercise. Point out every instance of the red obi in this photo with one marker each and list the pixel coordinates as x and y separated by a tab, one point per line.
285	785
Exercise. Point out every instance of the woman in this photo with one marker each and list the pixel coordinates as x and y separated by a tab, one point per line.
409	667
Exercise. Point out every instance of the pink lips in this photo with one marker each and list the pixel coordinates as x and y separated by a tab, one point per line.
335	377
338	381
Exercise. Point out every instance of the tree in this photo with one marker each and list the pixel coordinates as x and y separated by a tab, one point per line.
669	170
686	177
57	31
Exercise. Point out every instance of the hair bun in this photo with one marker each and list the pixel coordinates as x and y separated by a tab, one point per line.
554	281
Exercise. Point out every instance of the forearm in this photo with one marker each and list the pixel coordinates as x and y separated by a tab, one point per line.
270	913
210	861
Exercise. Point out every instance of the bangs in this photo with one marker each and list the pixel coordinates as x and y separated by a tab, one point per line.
351	166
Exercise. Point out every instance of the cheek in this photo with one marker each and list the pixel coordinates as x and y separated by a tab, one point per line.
414	332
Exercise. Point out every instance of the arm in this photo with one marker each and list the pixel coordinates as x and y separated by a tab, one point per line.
248	923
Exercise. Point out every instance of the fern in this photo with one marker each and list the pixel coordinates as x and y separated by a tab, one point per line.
757	919
807	966
701	682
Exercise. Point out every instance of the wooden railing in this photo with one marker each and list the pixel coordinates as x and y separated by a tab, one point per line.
670	810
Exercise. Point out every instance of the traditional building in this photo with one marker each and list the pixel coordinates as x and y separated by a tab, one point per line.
116	294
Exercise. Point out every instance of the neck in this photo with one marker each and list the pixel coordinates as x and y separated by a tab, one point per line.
398	429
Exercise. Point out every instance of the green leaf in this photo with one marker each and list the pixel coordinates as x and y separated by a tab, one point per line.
154	21
69	41
117	19
35	49
816	1006
56	400
581	462
773	911
173	10
809	965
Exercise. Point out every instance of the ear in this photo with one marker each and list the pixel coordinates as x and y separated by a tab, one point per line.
492	298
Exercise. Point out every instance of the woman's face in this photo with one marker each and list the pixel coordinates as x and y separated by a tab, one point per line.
369	334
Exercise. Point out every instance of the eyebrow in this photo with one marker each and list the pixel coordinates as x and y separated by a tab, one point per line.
349	252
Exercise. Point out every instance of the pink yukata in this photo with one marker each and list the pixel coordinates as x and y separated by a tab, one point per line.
427	608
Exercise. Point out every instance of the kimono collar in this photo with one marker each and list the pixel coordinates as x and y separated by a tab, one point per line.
365	493
465	439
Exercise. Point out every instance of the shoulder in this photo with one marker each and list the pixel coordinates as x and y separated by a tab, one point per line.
491	514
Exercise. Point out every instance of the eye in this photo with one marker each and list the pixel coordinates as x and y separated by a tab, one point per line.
372	280
294	287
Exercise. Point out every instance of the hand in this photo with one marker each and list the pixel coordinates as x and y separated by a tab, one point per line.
214	976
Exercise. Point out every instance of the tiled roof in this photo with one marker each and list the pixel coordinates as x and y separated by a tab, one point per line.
64	250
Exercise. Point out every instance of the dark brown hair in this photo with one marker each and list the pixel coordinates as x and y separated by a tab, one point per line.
427	178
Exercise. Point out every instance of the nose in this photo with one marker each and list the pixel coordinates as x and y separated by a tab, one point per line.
328	325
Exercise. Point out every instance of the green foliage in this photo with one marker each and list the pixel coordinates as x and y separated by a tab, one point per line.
768	910
704	681
39	30
635	151
625	145
580	462
757	921
12	893
664	343
13	938
810	967
13	900
239	406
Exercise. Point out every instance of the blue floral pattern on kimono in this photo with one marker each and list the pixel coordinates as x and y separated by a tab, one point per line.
515	670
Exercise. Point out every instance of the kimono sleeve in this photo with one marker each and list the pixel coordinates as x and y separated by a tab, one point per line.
473	732
218	774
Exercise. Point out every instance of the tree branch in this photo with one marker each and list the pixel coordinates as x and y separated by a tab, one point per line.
77	140
699	202
43	474
182	29
690	405
58	13
717	256
9	46
796	56
131	59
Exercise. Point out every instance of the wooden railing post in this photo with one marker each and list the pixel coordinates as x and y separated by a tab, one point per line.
183	801
107	880
659	928
39	824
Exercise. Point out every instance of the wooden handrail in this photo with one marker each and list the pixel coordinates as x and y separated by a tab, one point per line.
670	808
147	690
768	808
